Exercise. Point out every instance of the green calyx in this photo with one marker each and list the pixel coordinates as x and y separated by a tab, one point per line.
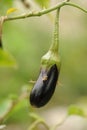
49	59
52	56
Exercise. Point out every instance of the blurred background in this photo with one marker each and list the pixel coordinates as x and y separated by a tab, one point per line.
28	40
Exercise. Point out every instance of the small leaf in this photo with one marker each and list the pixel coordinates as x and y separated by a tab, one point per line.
18	112
4	107
6	59
74	110
9	107
11	10
19	105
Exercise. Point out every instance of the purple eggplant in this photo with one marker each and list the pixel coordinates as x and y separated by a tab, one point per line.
44	87
0	43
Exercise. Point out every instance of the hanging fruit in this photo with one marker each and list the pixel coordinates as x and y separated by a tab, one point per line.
50	68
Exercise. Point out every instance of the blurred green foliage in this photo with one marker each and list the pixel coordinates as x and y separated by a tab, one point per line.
73	110
43	3
6	60
4	5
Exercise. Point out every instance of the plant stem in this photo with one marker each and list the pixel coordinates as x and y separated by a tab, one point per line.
55	45
39	13
45	11
76	6
59	124
46	126
36	123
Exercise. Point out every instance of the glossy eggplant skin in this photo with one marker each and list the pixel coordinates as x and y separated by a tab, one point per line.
44	87
0	43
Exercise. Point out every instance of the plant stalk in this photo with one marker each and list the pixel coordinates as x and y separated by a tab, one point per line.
55	45
45	11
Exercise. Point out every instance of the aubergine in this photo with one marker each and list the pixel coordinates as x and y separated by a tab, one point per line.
44	86
0	43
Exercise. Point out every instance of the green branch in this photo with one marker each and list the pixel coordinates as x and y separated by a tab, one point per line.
76	6
36	123
45	11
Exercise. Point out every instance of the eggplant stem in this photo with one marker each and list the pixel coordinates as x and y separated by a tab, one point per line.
55	45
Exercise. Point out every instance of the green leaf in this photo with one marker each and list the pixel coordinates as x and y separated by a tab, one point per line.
43	3
20	104
12	108
6	59
4	107
18	112
74	110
